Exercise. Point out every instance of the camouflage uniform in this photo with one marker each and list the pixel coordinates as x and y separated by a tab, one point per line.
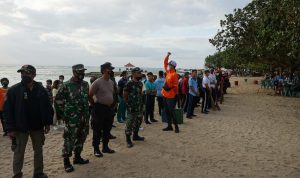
134	106
72	105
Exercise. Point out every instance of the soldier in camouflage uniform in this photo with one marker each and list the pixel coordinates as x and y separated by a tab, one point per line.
72	105
133	95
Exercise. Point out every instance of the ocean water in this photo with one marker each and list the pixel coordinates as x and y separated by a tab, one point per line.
44	73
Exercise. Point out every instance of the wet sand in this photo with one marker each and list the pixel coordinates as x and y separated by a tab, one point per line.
255	135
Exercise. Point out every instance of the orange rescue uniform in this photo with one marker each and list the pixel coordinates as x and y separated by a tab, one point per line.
171	81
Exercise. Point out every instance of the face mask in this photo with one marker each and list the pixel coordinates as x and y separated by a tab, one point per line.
81	76
4	84
26	79
138	78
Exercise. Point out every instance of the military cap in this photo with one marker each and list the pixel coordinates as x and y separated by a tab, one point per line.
136	70
27	68
78	67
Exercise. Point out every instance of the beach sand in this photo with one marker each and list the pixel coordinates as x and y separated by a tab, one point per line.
255	135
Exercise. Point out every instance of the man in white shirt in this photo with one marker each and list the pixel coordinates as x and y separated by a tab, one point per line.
213	81
206	91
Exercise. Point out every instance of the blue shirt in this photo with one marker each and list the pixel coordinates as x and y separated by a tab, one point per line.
159	83
193	83
149	85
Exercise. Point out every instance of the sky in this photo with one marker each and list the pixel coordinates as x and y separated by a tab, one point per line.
91	32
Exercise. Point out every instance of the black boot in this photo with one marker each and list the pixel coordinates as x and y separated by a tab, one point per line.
136	137
68	166
106	149
169	128
111	137
153	120
176	129
147	121
97	152
79	160
129	142
40	175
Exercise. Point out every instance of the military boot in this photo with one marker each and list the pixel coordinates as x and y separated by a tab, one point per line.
79	160
67	165
129	142
136	137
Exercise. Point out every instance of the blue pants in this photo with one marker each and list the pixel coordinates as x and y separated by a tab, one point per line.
121	115
191	105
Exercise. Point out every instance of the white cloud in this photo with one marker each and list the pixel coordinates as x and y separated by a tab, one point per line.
141	31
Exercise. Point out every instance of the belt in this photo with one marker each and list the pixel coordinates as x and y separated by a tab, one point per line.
109	106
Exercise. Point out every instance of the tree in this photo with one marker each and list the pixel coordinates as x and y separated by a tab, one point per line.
264	33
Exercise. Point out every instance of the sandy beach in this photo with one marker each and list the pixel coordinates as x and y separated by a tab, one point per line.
255	135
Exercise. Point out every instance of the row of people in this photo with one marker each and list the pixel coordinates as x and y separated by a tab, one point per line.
28	112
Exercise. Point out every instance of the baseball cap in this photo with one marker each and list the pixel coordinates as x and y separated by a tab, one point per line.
107	65
27	68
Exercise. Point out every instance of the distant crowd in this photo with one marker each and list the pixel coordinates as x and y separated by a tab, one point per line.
27	109
285	83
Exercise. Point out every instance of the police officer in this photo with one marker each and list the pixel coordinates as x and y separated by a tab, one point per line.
133	95
101	97
73	106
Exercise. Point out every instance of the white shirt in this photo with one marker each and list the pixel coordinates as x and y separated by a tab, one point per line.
213	80
205	81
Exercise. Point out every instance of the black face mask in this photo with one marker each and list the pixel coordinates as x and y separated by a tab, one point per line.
80	76
5	84
26	79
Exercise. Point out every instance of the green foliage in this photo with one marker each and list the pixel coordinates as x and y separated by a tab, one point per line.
265	33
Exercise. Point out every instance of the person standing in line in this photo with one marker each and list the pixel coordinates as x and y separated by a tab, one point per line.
133	95
3	91
169	91
193	94
121	116
159	83
116	101
56	122
150	98
72	104
49	90
179	93
213	83
185	91
101	97
206	92
28	112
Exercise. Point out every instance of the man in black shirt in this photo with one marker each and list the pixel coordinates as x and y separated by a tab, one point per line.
28	112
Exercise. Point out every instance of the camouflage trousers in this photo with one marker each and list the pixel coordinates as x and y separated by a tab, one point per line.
133	122
74	138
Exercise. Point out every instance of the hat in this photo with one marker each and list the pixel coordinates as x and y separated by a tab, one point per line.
136	70
27	68
107	65
78	67
173	63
